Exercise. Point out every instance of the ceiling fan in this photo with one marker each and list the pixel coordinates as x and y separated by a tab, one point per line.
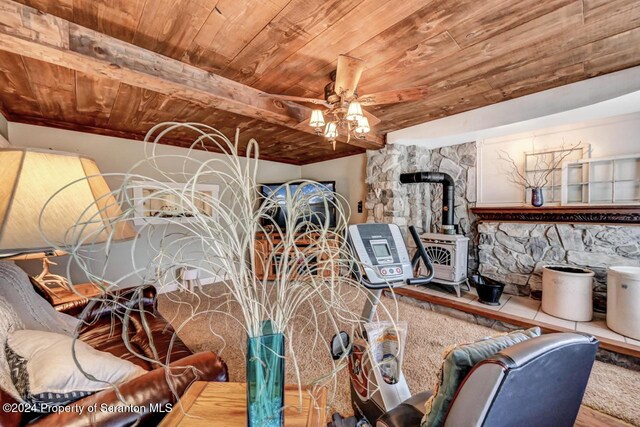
344	105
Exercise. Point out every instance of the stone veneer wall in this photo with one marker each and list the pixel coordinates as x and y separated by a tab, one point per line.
512	253
515	253
389	201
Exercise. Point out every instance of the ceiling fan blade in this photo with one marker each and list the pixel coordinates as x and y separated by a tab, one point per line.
393	96
348	75
300	99
373	120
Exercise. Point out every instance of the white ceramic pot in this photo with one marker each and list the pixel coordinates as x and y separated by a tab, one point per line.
567	292
623	300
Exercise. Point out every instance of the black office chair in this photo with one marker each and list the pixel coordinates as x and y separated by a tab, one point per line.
536	383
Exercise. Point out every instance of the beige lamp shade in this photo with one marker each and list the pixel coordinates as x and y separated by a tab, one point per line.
317	119
331	131
362	125
83	210
354	112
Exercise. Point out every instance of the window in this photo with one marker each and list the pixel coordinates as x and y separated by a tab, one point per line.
602	181
545	168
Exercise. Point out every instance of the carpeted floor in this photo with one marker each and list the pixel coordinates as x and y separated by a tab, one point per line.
612	389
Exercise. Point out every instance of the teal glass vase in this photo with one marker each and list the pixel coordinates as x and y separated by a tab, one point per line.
265	378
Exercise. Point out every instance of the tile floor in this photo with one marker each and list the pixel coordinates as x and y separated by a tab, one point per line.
528	308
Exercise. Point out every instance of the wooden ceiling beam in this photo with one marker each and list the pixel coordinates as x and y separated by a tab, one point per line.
45	37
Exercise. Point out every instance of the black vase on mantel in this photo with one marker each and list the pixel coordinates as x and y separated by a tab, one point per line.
537	198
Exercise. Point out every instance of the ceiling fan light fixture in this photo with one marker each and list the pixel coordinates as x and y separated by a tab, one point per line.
340	114
354	112
317	119
331	130
362	126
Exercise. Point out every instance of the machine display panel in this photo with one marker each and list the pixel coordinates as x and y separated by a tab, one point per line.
381	251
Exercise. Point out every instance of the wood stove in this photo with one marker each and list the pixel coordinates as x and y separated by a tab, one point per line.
448	251
449	255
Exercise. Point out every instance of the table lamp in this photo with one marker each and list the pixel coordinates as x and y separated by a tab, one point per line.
82	212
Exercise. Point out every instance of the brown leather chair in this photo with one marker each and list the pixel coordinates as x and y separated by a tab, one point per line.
134	311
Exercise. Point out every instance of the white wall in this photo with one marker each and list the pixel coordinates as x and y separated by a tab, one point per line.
349	173
607	137
117	155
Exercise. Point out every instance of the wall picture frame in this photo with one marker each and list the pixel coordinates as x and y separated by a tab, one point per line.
165	202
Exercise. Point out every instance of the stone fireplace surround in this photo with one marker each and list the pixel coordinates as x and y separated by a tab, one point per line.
511	252
515	253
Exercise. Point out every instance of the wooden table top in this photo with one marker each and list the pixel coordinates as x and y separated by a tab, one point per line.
225	405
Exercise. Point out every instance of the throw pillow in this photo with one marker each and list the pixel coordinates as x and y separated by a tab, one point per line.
458	362
45	374
34	311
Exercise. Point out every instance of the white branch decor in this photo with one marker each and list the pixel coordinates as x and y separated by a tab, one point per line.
539	178
221	244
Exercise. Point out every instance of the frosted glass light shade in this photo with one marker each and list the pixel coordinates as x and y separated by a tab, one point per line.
331	131
362	126
354	111
78	214
317	119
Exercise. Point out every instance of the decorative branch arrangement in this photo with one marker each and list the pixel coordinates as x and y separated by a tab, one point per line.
542	169
311	281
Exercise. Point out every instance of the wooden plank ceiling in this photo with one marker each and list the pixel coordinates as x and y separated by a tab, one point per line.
470	54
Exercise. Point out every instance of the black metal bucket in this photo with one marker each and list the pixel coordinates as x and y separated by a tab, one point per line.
489	291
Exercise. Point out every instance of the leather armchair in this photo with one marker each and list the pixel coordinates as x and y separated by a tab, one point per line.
136	311
538	382
132	312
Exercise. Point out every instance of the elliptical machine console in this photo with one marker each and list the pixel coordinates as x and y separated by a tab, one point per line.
383	255
384	264
381	249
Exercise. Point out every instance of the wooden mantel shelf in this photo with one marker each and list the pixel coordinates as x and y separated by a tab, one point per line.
553	214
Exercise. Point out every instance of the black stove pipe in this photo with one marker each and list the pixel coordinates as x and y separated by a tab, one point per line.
448	193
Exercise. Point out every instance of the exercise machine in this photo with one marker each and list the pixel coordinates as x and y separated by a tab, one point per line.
384	264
